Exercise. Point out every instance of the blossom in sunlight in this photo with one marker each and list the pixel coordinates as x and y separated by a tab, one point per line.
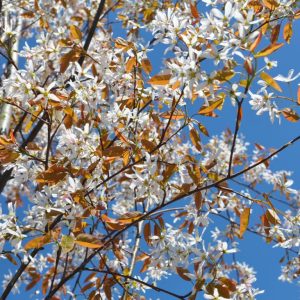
215	295
132	150
288	78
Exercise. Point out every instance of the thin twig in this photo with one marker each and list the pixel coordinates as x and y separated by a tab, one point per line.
175	199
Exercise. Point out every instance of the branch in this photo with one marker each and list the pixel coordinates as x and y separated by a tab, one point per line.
157	289
146	215
24	265
92	30
6	176
236	130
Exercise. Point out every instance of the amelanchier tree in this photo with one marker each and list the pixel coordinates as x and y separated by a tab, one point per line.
110	181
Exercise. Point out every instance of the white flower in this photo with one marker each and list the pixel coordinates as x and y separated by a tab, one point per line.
46	93
215	296
289	78
270	63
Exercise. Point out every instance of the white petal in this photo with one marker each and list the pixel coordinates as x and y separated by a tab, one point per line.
228	9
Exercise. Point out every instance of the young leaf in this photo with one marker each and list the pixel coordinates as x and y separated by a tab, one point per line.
38	242
275	33
290	115
270	81
181	272
130	64
268	50
224	75
130	217
147	232
146	65
75	33
67	243
71	56
53	175
208	109
178	115
148	145
270	4
195	138
203	129
256	42
88	241
194	11
244	221
28	15
114	151
288	32
272	217
160	79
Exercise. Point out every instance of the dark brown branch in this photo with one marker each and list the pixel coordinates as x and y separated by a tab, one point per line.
236	130
24	265
148	214
92	30
58	253
6	176
153	287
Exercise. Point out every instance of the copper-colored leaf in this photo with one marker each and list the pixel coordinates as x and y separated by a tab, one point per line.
198	200
130	64
87	287
148	145
169	171
10	258
7	151
272	216
195	138
33	282
38	242
270	4
160	79
114	151
146	264
194	11
112	224
53	175
28	15
244	221
203	129
75	33
268	50
270	81
290	115
121	136
256	42
181	272
130	217
231	284
177	115
224	75
288	32
194	172
275	33
88	241
71	56
45	285
146	65
147	232
207	109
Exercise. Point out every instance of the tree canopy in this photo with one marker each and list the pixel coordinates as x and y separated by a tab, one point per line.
111	181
